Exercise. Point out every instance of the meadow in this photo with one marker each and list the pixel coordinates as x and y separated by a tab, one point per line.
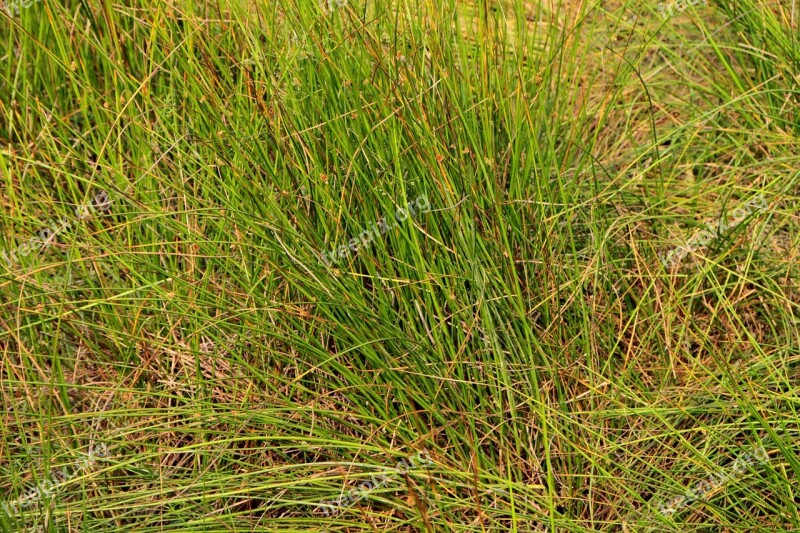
399	265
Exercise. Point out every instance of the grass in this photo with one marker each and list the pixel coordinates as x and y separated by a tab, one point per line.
522	332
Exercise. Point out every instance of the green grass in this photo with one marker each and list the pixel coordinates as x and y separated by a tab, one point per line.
522	332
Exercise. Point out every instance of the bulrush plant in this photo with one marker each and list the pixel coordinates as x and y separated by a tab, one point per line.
522	330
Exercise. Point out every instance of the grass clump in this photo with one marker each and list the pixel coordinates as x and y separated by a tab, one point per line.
519	334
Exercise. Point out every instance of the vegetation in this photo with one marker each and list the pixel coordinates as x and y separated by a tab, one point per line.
515	357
